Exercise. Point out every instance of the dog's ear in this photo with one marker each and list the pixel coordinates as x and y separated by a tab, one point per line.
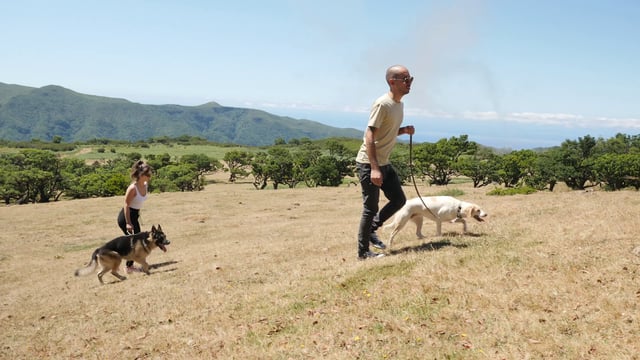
153	228
159	227
471	210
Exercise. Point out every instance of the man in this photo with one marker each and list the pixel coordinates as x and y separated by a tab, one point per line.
374	169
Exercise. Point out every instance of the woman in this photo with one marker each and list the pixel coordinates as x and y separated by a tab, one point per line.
134	197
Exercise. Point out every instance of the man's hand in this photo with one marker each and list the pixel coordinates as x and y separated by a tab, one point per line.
409	130
376	177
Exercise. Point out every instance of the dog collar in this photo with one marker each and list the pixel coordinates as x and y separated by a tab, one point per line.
144	245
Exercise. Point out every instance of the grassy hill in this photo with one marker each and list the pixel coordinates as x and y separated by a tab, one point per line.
273	275
44	113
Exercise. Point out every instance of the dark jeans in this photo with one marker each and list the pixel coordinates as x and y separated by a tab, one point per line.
371	218
134	214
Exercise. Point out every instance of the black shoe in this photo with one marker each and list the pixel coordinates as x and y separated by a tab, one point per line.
376	242
370	255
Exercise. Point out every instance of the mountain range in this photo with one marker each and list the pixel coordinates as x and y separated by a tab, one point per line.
28	113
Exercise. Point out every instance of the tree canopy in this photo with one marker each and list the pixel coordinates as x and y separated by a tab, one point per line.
40	175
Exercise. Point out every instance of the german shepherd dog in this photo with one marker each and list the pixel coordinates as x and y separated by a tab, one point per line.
134	247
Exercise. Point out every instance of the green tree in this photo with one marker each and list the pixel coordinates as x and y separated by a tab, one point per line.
303	161
103	182
400	161
325	172
337	149
8	173
279	167
155	161
439	161
618	171
576	162
203	163
83	181
31	176
481	169
259	170
238	164
133	157
544	170
619	144
516	167
185	177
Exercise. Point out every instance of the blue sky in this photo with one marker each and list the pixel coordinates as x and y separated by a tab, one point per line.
516	74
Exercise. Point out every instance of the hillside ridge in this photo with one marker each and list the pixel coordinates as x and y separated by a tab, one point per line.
28	113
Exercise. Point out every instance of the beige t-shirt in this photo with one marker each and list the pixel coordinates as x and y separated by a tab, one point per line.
386	116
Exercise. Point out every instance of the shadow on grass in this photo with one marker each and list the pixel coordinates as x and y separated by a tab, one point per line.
159	265
437	245
429	246
151	267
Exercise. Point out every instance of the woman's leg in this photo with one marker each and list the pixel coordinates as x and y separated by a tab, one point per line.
135	217
122	222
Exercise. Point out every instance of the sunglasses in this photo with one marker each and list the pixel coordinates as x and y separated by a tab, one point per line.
406	79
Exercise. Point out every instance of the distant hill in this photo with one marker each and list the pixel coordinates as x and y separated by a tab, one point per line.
28	113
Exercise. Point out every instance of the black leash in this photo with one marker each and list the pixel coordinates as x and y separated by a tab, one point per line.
413	180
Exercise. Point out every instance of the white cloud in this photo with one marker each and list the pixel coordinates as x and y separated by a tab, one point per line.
481	115
548	119
573	120
558	119
629	123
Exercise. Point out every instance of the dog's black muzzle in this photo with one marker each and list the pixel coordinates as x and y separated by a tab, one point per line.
161	243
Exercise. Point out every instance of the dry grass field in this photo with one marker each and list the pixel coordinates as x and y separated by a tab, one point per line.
274	275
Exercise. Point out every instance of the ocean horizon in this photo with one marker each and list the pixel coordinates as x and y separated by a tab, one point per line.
500	134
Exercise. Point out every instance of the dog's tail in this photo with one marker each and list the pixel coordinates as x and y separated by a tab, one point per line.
91	267
394	222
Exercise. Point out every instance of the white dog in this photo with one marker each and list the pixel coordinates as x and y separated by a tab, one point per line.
439	209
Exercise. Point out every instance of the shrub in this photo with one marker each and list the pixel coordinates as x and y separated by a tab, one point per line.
451	192
524	190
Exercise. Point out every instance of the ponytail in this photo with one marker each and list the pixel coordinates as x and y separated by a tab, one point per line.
139	168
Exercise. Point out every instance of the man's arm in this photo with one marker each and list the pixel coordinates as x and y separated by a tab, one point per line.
370	142
409	130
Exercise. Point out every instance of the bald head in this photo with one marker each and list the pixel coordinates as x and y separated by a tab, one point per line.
395	71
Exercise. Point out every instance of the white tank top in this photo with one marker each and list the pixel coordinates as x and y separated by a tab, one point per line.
136	202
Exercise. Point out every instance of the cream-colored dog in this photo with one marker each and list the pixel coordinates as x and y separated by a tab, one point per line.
439	209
